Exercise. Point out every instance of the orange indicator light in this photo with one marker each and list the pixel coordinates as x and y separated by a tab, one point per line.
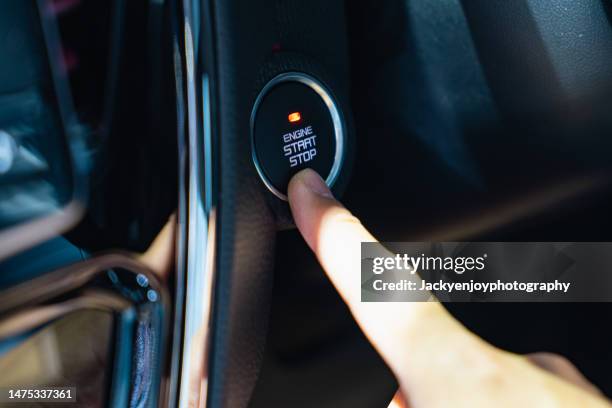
295	117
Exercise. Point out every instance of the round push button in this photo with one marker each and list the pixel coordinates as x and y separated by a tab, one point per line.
296	124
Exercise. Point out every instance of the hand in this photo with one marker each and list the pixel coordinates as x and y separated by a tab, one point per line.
159	257
437	361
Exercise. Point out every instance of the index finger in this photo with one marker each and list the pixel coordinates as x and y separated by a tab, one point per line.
408	335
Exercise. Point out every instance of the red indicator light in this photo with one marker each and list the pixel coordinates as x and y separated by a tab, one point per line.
294	117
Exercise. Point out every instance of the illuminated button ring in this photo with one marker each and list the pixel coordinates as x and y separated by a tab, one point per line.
296	124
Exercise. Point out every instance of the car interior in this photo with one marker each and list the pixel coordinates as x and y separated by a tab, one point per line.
459	120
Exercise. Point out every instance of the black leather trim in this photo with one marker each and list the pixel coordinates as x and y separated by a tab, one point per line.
244	37
246	227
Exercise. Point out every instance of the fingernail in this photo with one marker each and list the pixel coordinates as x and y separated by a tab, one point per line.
313	182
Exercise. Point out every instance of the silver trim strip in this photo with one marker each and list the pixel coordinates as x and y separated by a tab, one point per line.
181	235
200	219
337	120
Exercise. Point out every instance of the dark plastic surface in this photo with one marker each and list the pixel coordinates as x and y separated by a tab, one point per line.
245	224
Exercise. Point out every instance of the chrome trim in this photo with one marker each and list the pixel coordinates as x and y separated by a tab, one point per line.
199	216
31	318
181	230
330	101
49	285
98	284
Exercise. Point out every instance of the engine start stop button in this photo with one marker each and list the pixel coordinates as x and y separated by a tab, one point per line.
295	124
